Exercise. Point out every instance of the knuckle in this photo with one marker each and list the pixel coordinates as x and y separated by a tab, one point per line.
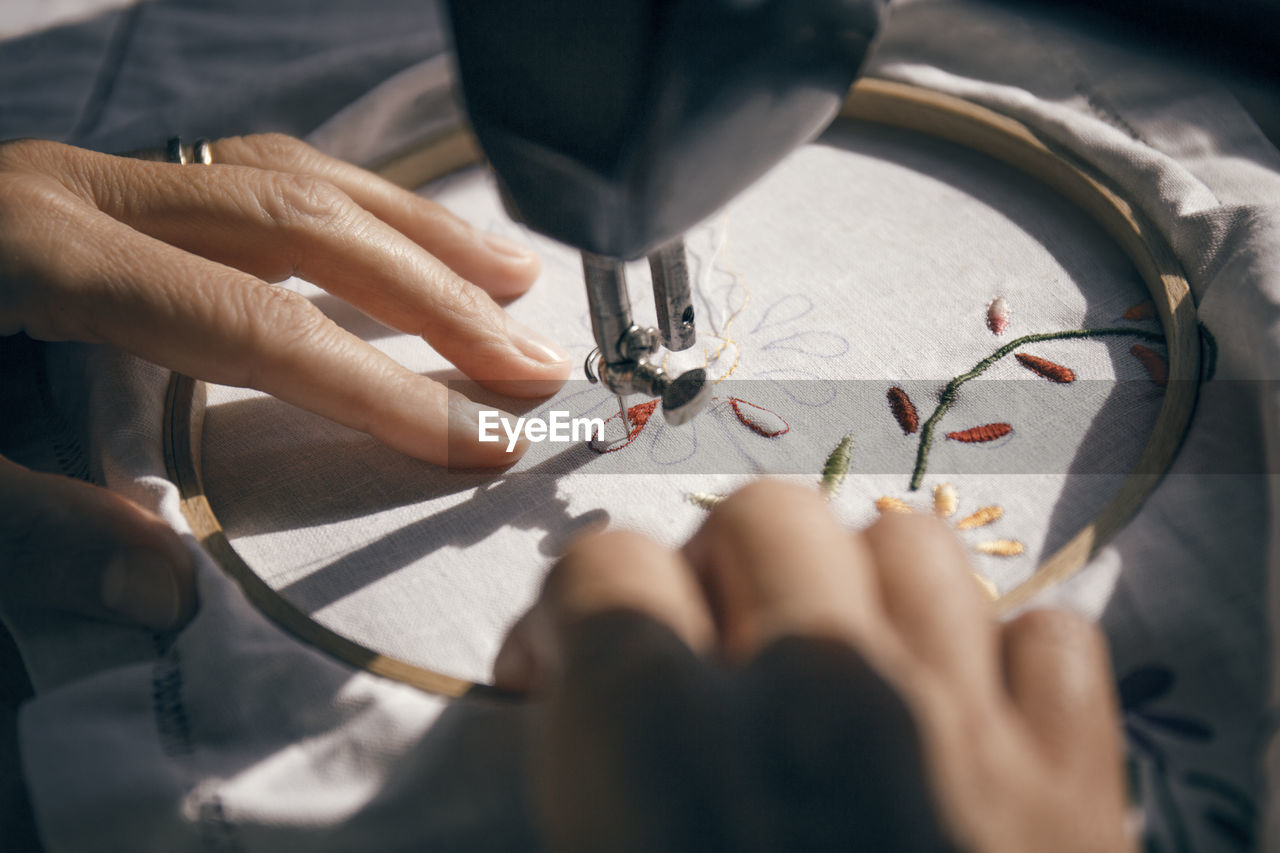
763	496
297	201
276	320
28	154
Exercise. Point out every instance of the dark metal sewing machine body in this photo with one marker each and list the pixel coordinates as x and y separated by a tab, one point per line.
614	126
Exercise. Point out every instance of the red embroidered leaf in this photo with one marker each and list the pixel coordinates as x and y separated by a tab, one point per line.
639	415
1141	311
1050	370
758	419
1157	368
997	315
904	411
986	432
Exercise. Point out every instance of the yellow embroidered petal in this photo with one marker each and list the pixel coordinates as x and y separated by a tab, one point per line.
945	500
888	504
1001	547
706	500
981	518
988	588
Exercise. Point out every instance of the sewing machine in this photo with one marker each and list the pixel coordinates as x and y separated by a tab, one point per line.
615	127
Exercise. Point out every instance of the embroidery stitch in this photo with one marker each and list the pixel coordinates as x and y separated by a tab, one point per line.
1000	547
981	518
705	500
945	500
948	396
904	411
836	467
997	316
639	415
1050	370
1153	362
980	434
756	426
887	504
1142	311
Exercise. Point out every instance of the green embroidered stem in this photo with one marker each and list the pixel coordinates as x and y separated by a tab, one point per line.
948	395
837	467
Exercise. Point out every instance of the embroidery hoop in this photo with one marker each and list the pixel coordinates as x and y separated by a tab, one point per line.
879	101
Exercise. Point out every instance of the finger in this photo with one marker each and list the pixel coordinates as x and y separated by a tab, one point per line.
70	546
273	225
502	267
604	573
1058	675
775	562
206	320
932	600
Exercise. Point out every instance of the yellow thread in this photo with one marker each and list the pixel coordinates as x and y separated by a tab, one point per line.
706	500
988	588
723	334
981	518
1001	547
945	500
888	504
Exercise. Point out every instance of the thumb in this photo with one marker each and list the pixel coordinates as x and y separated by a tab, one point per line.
70	546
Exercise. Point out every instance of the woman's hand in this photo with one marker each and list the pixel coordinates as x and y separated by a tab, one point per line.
172	263
782	684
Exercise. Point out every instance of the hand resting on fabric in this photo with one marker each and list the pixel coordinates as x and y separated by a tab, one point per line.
782	684
173	264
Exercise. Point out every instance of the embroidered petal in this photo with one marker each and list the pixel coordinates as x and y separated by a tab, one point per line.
638	414
978	434
1157	368
945	500
904	411
706	500
837	467
1050	370
758	419
997	315
980	518
1142	311
1001	547
888	504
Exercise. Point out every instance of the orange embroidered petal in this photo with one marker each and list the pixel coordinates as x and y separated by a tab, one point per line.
980	518
945	500
888	504
1050	370
758	419
988	588
1157	368
986	432
997	315
638	415
904	411
1141	311
1001	547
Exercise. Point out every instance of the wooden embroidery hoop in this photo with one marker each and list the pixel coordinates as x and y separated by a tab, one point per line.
880	101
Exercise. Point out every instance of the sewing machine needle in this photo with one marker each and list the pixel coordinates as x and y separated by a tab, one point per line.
622	410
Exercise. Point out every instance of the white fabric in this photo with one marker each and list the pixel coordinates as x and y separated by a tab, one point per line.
232	735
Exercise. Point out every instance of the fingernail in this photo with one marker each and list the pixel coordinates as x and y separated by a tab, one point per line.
508	247
535	345
139	585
